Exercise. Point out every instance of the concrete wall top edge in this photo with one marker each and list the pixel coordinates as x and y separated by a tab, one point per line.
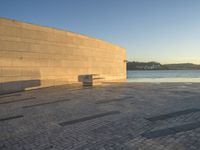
53	29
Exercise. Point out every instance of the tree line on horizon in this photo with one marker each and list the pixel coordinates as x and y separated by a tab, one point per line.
158	66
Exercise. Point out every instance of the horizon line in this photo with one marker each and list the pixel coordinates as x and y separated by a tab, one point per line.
164	63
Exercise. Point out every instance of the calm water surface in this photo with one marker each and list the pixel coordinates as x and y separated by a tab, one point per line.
164	76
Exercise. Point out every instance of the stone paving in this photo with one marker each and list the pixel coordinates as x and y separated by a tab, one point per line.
120	116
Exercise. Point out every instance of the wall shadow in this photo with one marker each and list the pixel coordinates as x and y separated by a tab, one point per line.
10	79
17	86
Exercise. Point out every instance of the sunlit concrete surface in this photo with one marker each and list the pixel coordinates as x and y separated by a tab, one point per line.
123	116
33	56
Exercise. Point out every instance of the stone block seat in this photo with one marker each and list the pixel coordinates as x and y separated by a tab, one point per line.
90	79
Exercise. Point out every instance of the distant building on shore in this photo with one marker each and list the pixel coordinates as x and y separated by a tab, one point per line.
144	66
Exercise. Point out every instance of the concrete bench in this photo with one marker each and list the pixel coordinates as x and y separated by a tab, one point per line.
89	79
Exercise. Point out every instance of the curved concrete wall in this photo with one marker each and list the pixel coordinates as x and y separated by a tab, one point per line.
37	56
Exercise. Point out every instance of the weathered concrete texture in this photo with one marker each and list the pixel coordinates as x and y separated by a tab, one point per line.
74	118
37	56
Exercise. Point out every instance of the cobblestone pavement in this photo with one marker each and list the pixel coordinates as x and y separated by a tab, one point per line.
125	116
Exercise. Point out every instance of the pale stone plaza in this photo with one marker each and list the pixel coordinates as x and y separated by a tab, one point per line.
117	116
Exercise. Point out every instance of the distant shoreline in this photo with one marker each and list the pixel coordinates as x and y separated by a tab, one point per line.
166	70
157	66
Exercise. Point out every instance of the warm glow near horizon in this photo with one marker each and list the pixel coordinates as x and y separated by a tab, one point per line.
167	61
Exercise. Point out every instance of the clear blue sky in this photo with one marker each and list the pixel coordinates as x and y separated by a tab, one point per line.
167	31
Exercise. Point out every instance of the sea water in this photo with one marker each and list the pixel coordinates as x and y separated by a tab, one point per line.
164	76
